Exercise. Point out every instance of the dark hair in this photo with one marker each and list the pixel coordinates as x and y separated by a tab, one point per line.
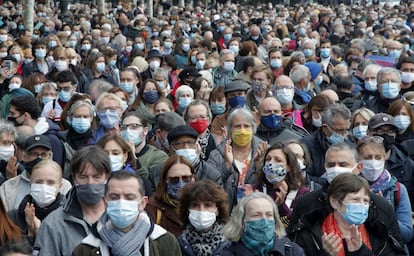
203	191
66	76
397	105
37	43
138	115
403	60
27	104
161	191
195	84
320	101
248	62
30	81
126	148
141	89
294	177
22	247
346	183
343	82
90	155
217	94
114	90
124	175
170	60
133	71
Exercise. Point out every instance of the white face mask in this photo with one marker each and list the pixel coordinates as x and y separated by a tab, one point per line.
43	194
6	152
61	65
317	122
407	77
116	162
201	220
372	169
332	172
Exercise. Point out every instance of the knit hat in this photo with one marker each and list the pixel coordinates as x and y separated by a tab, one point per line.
314	68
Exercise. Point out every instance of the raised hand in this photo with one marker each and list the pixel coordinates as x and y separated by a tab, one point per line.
33	223
281	191
11	167
228	154
332	243
258	157
355	241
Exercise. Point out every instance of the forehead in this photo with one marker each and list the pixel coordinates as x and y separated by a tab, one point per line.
197	109
339	156
258	205
129	185
179	169
46	172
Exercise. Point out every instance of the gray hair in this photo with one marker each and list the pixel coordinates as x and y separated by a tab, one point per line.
371	67
8	128
161	72
183	88
344	147
298	73
335	110
387	71
102	85
225	52
233	230
23	132
309	41
82	103
242	112
196	103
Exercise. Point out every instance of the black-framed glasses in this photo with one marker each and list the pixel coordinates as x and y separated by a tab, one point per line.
175	180
340	132
181	144
376	139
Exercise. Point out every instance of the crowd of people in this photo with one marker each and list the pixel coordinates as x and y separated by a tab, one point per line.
226	129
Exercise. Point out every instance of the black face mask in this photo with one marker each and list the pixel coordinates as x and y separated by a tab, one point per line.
388	141
13	120
29	165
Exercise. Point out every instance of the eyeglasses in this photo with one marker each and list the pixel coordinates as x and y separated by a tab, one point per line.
288	87
194	118
376	139
44	155
385	132
65	89
181	144
340	132
184	178
132	126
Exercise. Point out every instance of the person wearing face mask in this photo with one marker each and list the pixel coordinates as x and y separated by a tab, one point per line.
403	115
204	211
273	127
186	76
261	79
255	228
166	121
235	93
326	59
96	68
389	87
148	94
153	58
335	124
36	149
406	66
279	176
370	82
398	163
8	71
275	61
43	199
346	219
184	95
130	230
163	205
312	114
394	49
129	81
372	154
301	78
134	130
283	91
224	73
180	52
359	123
254	35
80	117
39	64
84	205
109	112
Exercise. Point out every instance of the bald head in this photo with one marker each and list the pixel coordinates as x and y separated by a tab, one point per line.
283	81
270	106
333	96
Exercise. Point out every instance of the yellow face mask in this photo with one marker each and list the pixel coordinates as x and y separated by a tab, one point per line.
242	137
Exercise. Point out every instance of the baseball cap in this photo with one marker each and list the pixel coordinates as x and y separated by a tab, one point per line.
381	119
37	141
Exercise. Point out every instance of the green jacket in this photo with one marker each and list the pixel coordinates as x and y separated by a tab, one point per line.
148	157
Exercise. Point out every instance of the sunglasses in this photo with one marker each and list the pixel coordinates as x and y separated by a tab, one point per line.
184	178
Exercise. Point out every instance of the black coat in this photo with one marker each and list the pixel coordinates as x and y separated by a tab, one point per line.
305	227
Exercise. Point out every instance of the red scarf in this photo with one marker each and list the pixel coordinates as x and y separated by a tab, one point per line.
330	225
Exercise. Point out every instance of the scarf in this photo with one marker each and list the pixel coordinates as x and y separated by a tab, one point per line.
122	243
204	243
77	140
330	225
40	213
381	183
203	141
304	95
145	111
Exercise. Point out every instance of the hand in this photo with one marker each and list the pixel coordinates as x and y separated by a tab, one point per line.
258	157
51	114
332	243
281	192
11	167
379	193
228	154
355	241
33	223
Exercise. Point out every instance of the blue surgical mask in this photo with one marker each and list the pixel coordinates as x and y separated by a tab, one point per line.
81	125
218	108
200	64
302	31
395	54
128	87
40	53
168	45
360	131
172	189
275	63
390	90
100	67
52	44
86	47
355	214
308	52
370	86
255	38
237	101
189	153
259	235
139	46
38	88
122	213
65	96
193	59
131	136
151	96
402	122
285	96
46	99
72	43
228	66
227	37
271	121
234	48
161	84
185	47
112	63
335	138
325	52
184	102
108	119
17	57
221	28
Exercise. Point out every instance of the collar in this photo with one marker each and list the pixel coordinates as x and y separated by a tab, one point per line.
143	151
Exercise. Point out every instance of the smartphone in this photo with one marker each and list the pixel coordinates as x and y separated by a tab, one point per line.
7	64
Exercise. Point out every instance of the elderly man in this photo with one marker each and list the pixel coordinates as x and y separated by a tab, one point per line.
370	81
284	92
389	87
130	234
301	78
394	49
336	121
224	73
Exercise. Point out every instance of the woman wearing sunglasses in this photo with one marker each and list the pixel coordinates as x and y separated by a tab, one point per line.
372	155
162	206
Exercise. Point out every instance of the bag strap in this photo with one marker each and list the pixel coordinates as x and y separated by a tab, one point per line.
159	215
